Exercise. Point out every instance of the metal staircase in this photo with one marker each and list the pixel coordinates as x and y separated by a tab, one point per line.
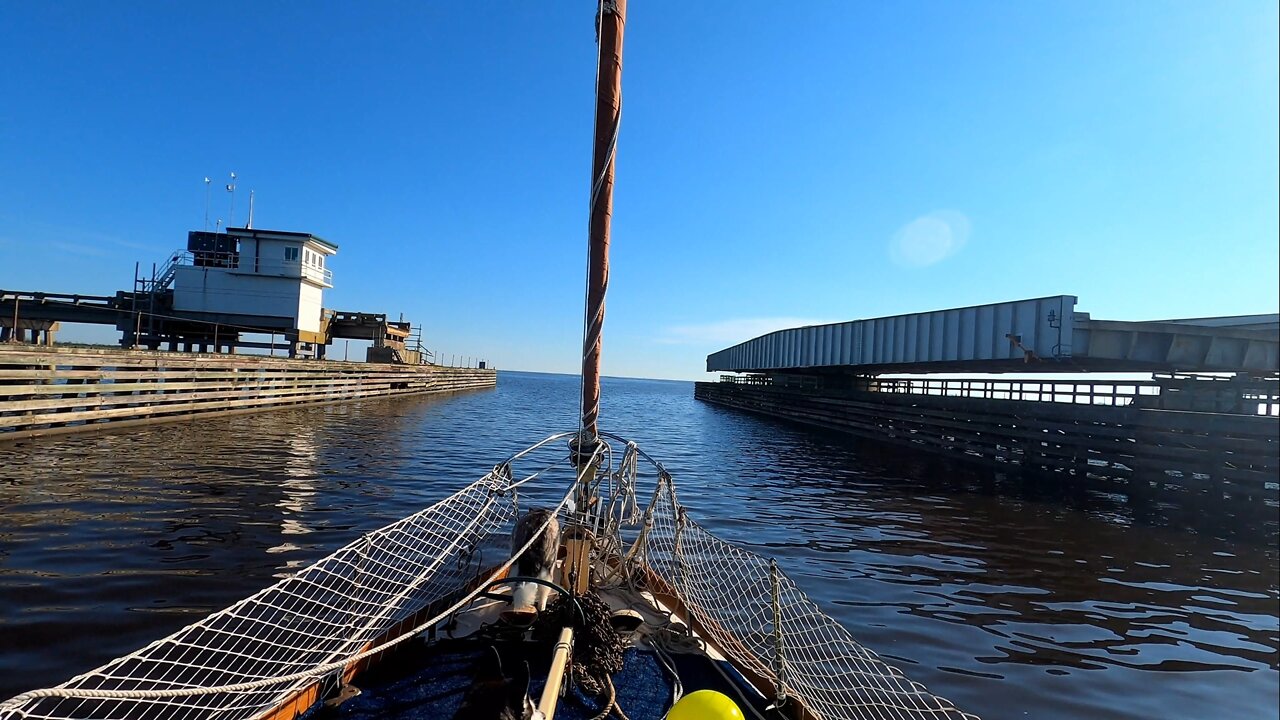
414	342
162	279
147	294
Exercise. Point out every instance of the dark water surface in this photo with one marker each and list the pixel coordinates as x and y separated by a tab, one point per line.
1009	597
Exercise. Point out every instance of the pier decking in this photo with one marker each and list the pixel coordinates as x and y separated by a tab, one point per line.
45	391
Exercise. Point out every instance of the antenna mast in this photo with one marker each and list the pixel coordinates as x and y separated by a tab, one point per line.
249	225
206	203
610	21
231	188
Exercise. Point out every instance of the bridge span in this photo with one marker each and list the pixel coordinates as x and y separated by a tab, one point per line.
1207	417
1026	336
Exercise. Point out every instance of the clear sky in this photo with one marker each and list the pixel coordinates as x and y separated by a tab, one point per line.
780	162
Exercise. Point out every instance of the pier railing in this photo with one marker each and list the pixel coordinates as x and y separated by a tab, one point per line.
1165	391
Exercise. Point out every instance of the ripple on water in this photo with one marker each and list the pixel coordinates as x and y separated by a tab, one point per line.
1012	599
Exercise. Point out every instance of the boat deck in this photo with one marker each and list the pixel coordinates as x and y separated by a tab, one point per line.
431	677
431	681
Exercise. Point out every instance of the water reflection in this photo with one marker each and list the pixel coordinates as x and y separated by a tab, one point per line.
1011	596
298	490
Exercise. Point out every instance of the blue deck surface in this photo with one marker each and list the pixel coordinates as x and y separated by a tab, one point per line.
430	682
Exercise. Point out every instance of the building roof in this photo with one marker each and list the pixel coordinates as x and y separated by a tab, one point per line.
280	235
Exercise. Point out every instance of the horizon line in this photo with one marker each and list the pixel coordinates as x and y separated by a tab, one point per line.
611	377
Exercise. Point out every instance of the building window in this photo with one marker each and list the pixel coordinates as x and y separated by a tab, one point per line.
291	254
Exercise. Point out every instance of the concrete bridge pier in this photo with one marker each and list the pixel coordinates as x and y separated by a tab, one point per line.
36	332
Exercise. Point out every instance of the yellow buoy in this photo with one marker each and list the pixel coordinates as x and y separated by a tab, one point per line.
705	705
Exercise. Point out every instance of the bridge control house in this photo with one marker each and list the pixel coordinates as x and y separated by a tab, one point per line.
255	278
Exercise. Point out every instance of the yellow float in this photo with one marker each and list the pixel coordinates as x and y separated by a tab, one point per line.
705	705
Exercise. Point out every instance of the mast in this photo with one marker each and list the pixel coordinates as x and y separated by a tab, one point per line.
611	19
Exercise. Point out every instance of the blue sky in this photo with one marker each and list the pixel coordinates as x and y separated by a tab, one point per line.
779	163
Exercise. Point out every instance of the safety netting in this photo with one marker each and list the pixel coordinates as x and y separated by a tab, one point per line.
274	654
265	650
749	608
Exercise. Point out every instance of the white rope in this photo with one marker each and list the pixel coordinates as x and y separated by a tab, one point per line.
728	591
238	640
315	672
625	493
750	610
243	661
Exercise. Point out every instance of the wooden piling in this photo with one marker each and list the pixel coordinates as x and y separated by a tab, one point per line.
1222	452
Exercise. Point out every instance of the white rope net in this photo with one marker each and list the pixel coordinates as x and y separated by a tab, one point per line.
730	594
322	617
306	631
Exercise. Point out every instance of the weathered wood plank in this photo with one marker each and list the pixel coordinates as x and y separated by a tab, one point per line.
183	407
49	375
242	382
131	423
208	392
65	390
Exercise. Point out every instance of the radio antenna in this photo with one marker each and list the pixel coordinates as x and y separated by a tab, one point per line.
231	188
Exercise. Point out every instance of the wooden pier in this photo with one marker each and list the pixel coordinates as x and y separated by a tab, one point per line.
1214	433
45	391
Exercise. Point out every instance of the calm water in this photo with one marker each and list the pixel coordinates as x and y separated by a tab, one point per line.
1010	598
